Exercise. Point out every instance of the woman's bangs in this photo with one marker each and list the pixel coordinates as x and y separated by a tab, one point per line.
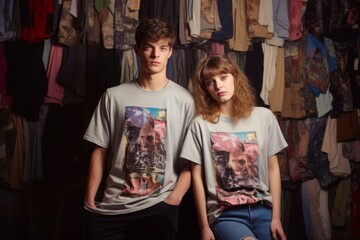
209	72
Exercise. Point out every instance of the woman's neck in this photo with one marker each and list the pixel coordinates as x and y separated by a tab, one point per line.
226	109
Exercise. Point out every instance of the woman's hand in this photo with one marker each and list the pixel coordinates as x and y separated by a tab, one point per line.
277	231
90	204
207	234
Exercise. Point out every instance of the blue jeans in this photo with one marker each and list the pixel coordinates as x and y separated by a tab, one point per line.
239	222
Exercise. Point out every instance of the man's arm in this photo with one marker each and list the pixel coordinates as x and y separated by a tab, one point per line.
181	187
95	174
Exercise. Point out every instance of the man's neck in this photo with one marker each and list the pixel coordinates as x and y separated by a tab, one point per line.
152	83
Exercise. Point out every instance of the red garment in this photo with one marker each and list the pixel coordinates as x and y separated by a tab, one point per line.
296	17
5	101
355	213
55	92
36	29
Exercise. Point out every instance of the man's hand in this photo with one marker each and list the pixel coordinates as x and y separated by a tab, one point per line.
173	200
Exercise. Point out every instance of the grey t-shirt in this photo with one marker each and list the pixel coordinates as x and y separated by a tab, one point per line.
144	131
234	157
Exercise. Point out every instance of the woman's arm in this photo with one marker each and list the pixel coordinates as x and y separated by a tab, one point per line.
275	190
200	202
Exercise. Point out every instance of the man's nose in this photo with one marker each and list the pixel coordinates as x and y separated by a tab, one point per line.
155	53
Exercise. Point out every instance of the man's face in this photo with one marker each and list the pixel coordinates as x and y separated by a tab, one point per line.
154	56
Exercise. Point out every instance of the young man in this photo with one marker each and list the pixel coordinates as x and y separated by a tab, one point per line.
141	125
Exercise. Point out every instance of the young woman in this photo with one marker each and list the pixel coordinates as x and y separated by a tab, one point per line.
232	145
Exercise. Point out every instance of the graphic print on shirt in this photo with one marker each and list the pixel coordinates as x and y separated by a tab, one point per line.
235	163
145	160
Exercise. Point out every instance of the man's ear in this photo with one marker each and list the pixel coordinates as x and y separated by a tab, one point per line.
171	50
136	49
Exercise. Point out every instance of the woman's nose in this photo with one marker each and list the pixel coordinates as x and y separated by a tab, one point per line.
217	85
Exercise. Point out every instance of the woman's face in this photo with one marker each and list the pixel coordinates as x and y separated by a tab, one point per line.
221	87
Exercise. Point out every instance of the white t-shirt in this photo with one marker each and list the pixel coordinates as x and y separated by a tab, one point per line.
234	157
144	130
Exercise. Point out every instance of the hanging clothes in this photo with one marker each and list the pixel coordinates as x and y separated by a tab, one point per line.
107	18
36	13
297	134
276	94
6	31
91	32
338	164
318	161
126	21
297	9
5	101
299	100
256	20
240	40
26	78
55	92
226	21
254	68
67	33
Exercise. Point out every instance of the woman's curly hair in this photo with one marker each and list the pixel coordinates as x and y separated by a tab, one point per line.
206	106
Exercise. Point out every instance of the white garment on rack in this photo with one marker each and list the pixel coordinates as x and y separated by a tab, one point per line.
194	22
338	164
269	71
266	14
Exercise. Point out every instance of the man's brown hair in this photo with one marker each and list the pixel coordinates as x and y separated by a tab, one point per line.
152	30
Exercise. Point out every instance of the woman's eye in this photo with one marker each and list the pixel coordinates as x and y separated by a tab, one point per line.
210	82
